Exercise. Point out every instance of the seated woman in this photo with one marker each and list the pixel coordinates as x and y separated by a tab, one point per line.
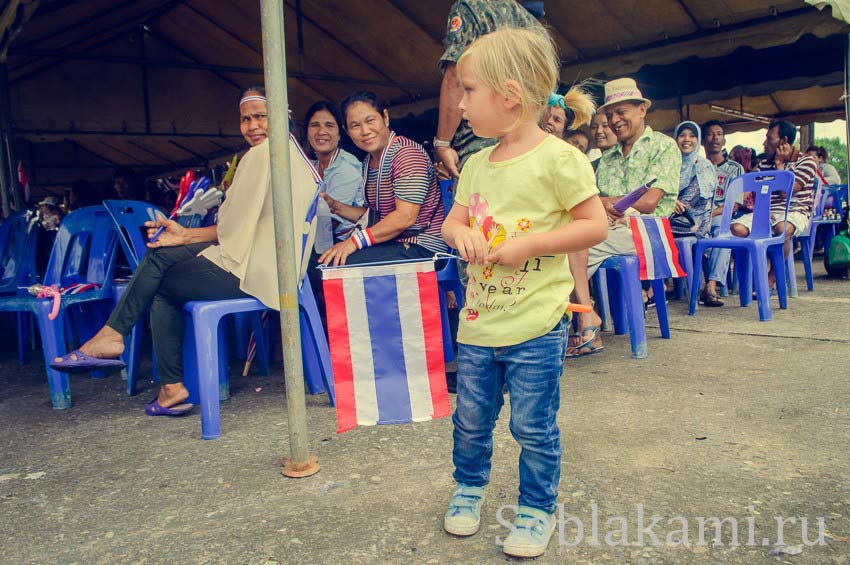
230	260
339	169
697	183
603	138
400	190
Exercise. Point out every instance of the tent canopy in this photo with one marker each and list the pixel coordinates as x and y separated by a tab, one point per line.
153	84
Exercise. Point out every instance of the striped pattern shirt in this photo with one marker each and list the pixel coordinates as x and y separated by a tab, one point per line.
804	169
408	175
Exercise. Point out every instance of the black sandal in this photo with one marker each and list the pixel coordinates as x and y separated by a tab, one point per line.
712	300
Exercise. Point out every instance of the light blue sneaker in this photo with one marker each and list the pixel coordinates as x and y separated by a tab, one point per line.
464	514
532	529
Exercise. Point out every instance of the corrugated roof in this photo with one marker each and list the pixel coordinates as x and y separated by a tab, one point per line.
154	83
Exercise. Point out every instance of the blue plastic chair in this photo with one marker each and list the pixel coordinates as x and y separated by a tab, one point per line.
18	239
203	360
826	194
448	278
129	217
625	301
750	253
208	368
84	252
685	245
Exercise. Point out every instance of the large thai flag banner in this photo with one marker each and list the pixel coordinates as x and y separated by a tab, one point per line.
656	249
386	343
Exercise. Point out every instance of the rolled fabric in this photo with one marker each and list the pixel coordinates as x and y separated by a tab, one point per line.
629	200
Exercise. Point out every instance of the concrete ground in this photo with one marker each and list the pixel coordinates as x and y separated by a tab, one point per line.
731	418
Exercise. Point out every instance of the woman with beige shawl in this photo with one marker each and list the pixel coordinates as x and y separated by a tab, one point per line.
234	259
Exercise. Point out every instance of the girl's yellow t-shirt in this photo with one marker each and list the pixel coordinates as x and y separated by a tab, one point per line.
531	193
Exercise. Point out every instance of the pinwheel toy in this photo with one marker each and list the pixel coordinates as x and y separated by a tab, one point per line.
185	183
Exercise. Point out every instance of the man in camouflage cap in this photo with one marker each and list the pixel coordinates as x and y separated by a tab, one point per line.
469	20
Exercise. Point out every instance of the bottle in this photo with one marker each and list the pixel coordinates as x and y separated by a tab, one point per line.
324	228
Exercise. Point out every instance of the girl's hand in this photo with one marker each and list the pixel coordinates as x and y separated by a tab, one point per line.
337	254
173	235
471	245
511	253
679	207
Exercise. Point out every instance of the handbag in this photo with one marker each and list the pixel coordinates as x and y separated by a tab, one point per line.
839	251
683	223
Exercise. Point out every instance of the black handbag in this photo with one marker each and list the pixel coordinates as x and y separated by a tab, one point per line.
683	223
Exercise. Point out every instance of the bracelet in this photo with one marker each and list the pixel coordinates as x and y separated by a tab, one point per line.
441	143
362	238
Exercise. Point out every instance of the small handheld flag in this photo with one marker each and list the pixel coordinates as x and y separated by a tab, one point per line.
386	343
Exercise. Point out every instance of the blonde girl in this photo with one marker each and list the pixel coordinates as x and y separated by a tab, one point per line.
520	207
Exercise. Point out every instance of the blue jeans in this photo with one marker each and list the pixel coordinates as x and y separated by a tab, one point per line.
718	259
532	371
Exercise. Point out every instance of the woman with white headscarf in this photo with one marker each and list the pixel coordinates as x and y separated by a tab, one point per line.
697	182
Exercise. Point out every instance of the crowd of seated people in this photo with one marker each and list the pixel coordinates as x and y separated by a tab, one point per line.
388	208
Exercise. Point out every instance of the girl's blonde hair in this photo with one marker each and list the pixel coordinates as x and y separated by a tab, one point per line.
531	59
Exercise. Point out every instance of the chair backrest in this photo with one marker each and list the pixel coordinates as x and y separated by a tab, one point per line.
762	184
18	238
84	250
130	217
447	193
825	196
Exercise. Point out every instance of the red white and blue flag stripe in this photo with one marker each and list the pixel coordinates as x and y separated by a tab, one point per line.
656	248
386	343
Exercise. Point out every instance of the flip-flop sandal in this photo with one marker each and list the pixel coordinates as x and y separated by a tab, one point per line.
591	350
586	344
78	362
711	300
154	408
594	331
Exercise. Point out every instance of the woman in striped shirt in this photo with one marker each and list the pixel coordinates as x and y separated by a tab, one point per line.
399	186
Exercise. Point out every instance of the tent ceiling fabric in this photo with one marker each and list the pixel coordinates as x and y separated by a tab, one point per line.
122	78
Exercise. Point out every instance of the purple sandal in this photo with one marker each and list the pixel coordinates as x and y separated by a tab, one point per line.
78	362
154	408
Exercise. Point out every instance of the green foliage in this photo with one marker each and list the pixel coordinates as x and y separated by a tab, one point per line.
837	152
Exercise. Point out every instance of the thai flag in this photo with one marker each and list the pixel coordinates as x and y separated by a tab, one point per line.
386	344
656	248
79	288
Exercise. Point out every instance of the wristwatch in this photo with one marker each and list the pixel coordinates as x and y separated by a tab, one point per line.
441	143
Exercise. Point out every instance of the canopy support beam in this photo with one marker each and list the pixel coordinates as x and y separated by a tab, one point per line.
300	463
847	94
10	195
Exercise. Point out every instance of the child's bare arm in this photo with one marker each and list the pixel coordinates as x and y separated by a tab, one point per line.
589	227
470	244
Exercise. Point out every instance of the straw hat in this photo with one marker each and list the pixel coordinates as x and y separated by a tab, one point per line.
621	90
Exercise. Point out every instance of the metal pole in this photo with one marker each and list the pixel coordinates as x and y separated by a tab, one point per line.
8	176
5	184
301	463
846	92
